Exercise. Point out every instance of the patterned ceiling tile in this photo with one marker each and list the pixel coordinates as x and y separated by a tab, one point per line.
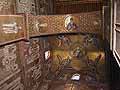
26	6
7	7
83	22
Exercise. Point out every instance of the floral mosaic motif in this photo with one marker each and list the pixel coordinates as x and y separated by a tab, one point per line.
9	64
4	4
33	51
36	72
34	75
10	57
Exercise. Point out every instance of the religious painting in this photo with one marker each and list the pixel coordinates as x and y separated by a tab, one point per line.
12	28
79	55
69	23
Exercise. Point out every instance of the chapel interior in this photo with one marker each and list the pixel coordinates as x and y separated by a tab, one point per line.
59	44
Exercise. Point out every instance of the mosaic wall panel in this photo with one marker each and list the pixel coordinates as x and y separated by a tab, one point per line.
11	28
7	7
10	66
83	22
81	53
26	6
